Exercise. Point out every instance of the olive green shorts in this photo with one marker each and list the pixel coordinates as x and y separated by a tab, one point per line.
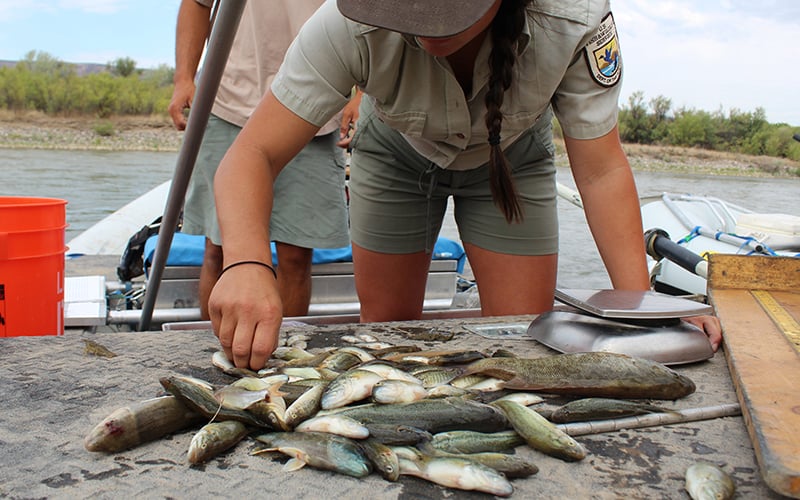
398	198
309	208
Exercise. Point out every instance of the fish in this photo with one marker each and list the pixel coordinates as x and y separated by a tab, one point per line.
335	424
397	391
523	398
319	450
510	466
601	374
476	442
540	433
305	406
214	438
221	361
350	386
458	473
705	481
397	435
382	457
586	409
96	349
139	423
200	398
432	415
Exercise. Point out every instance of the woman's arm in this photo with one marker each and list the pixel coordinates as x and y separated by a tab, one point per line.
245	307
605	181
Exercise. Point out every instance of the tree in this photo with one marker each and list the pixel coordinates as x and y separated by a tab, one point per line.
122	66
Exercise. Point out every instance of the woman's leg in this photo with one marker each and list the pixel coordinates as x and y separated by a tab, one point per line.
391	287
513	284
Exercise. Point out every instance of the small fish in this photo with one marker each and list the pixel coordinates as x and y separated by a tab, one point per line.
523	398
476	442
353	385
305	406
705	481
512	466
214	438
457	473
318	449
540	433
397	391
96	349
397	435
221	361
199	396
586	409
139	423
335	424
383	458
389	372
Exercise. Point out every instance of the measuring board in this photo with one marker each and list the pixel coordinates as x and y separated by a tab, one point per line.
757	300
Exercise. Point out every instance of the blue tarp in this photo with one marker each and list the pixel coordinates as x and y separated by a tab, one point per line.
188	249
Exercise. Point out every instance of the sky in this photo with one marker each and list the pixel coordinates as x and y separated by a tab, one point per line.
711	55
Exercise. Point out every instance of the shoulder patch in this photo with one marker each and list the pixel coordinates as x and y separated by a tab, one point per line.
602	54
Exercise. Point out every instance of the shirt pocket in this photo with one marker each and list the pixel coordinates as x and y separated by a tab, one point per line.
410	123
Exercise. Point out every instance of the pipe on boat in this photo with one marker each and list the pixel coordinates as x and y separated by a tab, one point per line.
131	317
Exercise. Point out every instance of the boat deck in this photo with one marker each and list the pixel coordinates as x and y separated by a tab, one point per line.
54	392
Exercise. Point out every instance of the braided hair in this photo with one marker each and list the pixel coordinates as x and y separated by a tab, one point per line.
506	29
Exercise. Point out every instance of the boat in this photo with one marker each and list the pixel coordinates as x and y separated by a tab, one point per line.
703	225
131	234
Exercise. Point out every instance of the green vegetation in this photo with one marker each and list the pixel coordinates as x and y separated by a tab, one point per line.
42	83
737	132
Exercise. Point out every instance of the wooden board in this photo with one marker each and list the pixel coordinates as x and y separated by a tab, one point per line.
757	300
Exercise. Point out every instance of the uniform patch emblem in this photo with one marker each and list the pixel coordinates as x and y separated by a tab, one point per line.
602	54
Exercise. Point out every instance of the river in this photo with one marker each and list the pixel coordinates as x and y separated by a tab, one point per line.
96	183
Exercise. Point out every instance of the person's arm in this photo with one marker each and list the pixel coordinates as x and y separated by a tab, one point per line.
245	305
605	180
191	31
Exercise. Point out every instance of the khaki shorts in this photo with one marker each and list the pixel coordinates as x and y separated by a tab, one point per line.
398	198
309	209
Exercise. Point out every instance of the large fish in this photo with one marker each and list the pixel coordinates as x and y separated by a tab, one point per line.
601	374
432	415
140	423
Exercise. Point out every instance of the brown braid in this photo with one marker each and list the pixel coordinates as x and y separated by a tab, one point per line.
505	31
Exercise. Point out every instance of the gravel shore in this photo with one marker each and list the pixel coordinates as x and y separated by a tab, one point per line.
36	131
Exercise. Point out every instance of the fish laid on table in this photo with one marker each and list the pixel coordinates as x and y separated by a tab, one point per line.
443	415
705	481
318	449
588	374
140	423
214	438
586	409
540	433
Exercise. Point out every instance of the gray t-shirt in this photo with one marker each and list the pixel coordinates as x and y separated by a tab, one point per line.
569	58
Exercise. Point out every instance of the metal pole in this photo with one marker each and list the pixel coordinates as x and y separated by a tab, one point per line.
219	46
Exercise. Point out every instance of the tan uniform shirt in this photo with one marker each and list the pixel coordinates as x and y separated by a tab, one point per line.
265	31
569	58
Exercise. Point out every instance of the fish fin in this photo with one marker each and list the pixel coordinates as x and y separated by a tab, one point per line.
259	451
293	465
298	461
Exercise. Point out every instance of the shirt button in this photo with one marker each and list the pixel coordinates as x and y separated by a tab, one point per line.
460	135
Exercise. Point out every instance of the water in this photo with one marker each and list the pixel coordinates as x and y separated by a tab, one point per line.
96	183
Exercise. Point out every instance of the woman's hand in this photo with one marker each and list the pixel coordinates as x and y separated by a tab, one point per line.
246	313
711	326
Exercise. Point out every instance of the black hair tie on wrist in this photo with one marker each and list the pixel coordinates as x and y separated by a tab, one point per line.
256	262
494	139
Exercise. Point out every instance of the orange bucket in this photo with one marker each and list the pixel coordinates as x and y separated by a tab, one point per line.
32	232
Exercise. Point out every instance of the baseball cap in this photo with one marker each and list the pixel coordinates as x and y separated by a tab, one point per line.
426	18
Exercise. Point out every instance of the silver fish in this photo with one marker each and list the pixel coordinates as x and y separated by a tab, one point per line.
457	473
397	391
353	385
705	481
335	424
214	438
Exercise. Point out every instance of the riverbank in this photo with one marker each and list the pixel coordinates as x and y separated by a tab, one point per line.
156	133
